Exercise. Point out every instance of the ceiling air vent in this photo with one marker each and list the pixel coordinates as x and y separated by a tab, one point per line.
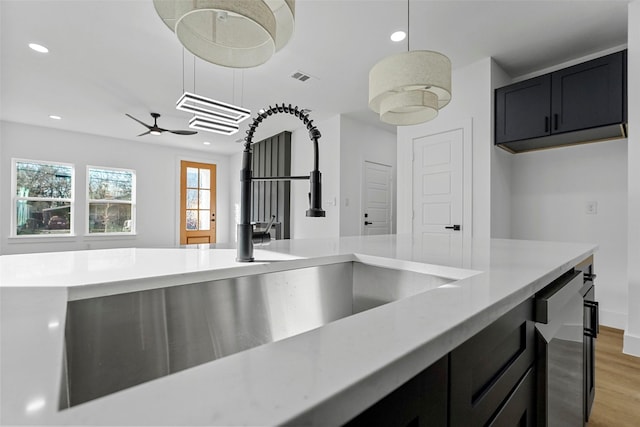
299	75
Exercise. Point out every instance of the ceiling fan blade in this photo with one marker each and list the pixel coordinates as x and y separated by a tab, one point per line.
141	122
145	133
183	132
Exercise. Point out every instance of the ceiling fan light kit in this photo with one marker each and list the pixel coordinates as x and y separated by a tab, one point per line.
410	87
231	33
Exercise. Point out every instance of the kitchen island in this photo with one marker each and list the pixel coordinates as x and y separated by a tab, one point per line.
325	376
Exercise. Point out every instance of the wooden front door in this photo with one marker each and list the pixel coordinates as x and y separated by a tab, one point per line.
197	203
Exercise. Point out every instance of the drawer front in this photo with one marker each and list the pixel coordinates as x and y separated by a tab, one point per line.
520	408
485	369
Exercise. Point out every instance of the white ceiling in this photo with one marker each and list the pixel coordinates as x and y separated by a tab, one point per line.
111	57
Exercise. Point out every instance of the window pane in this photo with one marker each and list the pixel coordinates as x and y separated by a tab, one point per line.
43	217
110	184
205	222
205	178
110	218
192	177
192	199
43	180
192	220
205	199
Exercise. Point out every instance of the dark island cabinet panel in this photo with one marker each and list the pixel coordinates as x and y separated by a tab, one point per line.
487	380
522	110
588	95
420	402
486	370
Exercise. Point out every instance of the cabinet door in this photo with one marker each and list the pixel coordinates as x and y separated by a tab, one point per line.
420	402
588	95
487	367
522	110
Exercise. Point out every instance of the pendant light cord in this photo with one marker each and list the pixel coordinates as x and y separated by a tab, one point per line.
408	32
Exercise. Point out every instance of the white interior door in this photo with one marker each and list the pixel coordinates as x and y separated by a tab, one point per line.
376	203
438	195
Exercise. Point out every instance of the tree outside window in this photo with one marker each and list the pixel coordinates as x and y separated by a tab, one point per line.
43	198
110	200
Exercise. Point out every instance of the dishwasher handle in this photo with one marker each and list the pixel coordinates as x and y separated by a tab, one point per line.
550	302
594	328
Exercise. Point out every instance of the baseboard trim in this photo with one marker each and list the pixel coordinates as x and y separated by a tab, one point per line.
631	345
613	319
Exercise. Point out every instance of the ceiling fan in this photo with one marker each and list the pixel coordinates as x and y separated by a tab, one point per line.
155	130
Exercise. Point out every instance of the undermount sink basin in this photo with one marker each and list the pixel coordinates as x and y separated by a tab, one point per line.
115	342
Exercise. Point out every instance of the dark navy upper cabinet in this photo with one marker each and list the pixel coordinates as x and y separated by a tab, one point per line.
582	103
522	110
588	95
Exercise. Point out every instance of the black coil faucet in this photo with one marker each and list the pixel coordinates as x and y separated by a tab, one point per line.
245	228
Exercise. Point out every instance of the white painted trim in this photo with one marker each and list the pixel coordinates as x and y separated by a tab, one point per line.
613	319
631	345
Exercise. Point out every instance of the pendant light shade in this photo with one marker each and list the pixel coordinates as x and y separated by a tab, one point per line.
232	33
410	87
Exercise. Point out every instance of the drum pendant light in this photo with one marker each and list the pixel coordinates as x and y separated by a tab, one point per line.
232	33
410	87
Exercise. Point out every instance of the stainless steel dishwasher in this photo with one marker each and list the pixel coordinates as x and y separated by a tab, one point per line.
559	322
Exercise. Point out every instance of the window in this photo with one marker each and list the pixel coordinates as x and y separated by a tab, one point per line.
43	198
111	200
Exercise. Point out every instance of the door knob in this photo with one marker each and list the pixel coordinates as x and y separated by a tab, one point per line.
455	227
367	223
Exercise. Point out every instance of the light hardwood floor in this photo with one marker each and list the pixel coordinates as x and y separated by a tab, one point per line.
617	401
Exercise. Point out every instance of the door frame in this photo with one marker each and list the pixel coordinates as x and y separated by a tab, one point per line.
363	189
176	182
406	146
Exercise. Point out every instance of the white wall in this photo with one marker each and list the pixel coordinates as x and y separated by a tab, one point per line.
500	169
359	143
550	189
471	101
632	334
157	176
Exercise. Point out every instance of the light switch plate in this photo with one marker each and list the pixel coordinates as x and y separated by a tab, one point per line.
591	208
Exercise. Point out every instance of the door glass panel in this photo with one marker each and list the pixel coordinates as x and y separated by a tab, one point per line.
192	177
205	178
192	220
205	199
192	199
205	223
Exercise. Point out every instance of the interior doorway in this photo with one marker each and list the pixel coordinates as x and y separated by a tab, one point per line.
438	209
197	203
376	199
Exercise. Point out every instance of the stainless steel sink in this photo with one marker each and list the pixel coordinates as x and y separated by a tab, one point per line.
119	341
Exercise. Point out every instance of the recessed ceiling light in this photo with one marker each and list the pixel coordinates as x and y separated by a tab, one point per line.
38	47
398	36
54	117
206	143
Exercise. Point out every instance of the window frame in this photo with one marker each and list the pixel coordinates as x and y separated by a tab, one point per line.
132	202
15	198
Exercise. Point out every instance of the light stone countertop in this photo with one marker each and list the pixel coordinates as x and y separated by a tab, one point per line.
323	377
